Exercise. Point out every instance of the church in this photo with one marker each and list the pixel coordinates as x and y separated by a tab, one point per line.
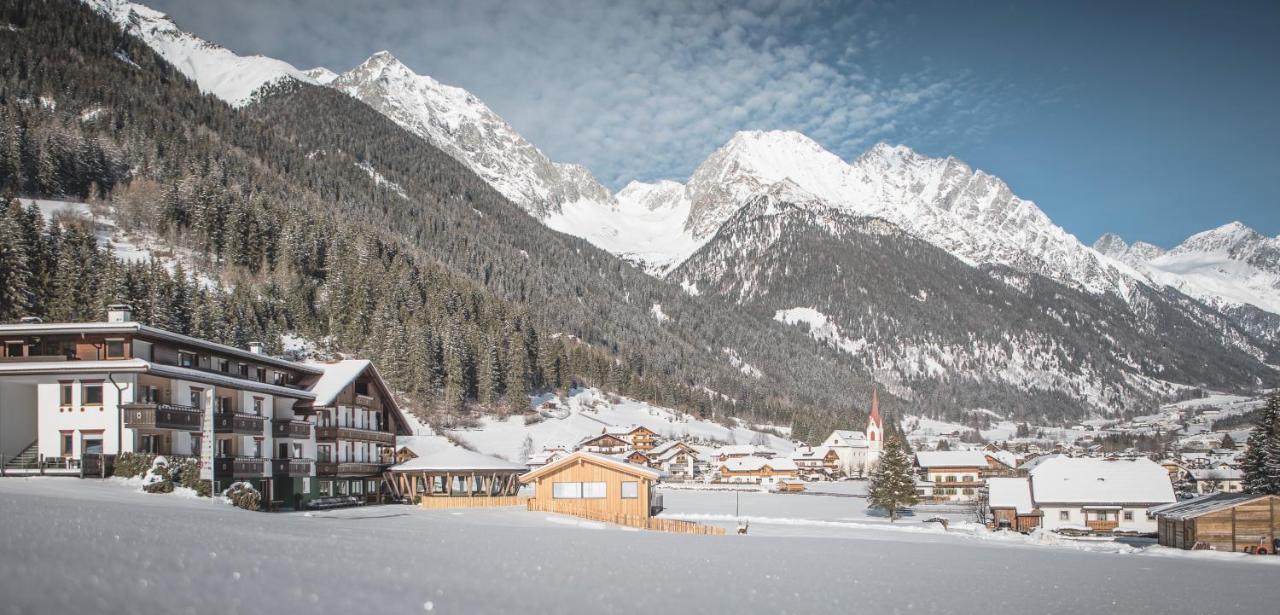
859	451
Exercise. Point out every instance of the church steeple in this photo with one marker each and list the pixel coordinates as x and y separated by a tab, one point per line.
875	408
875	425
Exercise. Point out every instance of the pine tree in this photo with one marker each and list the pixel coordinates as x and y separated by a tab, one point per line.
892	482
1261	463
14	272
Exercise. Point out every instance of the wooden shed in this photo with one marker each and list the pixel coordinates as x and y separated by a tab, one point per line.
594	486
1221	522
453	477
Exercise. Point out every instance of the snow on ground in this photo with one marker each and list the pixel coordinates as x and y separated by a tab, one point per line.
920	428
589	412
77	546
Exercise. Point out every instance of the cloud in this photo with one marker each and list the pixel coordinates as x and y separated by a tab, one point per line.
633	90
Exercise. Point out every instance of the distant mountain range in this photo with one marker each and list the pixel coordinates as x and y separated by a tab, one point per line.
931	275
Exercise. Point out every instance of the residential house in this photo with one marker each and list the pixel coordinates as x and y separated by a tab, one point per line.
1216	480
640	438
1099	495
817	461
676	458
1011	504
595	486
757	470
603	444
956	475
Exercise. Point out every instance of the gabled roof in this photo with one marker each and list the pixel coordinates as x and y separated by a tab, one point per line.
1012	493
952	459
753	464
1064	480
602	436
1205	504
459	460
338	375
668	446
597	459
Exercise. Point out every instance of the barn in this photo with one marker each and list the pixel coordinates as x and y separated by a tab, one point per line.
1222	522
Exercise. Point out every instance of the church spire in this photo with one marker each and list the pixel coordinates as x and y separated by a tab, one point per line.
875	407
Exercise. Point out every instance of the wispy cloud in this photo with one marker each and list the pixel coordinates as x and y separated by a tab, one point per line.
637	89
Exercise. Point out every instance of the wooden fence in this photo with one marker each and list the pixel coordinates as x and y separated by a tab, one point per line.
579	509
444	502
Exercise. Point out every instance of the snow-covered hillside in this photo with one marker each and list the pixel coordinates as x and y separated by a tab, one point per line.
588	412
454	120
215	69
1229	265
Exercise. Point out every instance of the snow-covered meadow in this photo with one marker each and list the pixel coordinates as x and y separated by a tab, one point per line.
73	546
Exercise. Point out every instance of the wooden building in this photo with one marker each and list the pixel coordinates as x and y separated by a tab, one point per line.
1237	522
457	478
1011	505
594	486
604	444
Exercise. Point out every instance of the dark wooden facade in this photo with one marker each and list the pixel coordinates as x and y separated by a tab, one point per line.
1225	522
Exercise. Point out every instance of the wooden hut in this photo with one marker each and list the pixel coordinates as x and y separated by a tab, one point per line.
594	486
1221	522
457	478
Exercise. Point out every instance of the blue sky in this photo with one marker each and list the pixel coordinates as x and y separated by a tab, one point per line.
1154	121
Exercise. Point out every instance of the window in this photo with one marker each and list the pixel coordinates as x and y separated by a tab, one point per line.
224	366
297	450
65	395
244	370
257	406
68	442
115	349
372	487
186	359
594	491
326	488
362	388
357	487
566	491
91	395
630	490
91	444
196	398
1128	515
14	349
262	374
278	378
342	488
1064	515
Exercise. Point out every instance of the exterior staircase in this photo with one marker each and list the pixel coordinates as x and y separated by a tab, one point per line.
26	459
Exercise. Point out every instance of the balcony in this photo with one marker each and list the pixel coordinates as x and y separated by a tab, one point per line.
285	468
331	433
238	467
1102	525
239	423
290	429
348	468
152	415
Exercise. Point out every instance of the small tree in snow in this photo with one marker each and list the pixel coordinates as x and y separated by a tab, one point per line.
892	484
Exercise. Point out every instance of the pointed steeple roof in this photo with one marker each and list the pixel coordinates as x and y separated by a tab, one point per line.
875	407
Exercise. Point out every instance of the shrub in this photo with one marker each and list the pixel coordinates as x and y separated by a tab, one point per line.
132	465
532	419
158	478
243	495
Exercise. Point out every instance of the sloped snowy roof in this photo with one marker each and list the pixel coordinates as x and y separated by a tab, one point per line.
1064	480
457	458
423	445
1032	463
1188	509
1012	493
1005	457
815	452
752	464
615	462
1217	474
951	459
336	377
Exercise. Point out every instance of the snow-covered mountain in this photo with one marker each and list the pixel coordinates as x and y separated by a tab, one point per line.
456	121
215	69
1228	266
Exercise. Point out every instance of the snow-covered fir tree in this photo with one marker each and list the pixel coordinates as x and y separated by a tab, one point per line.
892	484
1261	462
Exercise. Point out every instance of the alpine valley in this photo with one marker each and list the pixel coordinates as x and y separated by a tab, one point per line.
775	284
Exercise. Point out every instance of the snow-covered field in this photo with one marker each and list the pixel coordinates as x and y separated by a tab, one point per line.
76	546
588	412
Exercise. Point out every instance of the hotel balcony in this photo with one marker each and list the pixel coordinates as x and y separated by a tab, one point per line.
238	467
331	433
152	415
281	428
238	423
348	468
286	468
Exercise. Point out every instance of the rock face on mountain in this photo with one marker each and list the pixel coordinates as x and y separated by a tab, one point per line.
456	121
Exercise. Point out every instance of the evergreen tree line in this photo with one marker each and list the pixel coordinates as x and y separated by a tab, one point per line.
1261	463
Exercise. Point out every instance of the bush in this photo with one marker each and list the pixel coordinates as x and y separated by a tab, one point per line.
243	495
132	465
158	478
532	419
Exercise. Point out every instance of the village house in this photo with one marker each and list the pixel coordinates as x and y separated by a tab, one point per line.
737	451
1011	504
1222	522
756	470
594	486
1215	480
640	438
603	444
1099	495
78	394
956	475
676	458
817	462
545	456
859	451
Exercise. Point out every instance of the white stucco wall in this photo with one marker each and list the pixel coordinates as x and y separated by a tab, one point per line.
78	418
1052	518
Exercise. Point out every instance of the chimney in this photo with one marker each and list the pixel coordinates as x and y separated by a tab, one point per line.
119	312
256	347
31	320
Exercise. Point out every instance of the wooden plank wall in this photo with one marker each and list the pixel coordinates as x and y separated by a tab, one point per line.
446	502
586	472
577	509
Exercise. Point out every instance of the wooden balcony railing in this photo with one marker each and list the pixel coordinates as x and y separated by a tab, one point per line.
330	433
235	422
290	429
291	467
151	415
1105	525
348	468
239	467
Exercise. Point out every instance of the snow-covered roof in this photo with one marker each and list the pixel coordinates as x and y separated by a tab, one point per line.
951	459
752	464
810	452
671	446
1012	493
1032	463
1217	474
335	378
457	459
1065	480
1187	509
606	460
1005	457
423	445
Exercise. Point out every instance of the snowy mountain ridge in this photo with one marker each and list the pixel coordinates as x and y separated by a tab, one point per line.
215	69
